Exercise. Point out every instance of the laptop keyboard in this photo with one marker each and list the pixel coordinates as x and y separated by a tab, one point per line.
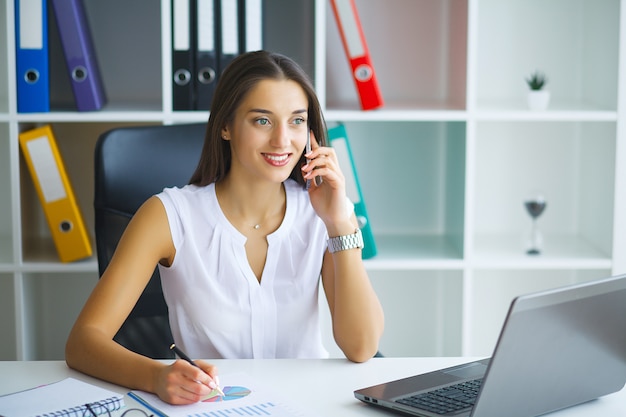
445	400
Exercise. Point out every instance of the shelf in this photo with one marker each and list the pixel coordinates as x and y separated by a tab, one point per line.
513	110
421	57
560	252
580	59
76	142
40	256
496	111
110	113
412	176
411	108
571	163
400	114
54	301
397	252
130	60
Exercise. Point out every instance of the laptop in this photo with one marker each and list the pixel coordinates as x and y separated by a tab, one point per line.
556	349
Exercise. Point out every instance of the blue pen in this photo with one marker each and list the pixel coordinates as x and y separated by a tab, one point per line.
146	404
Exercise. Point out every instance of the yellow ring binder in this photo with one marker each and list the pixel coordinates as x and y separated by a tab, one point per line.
55	193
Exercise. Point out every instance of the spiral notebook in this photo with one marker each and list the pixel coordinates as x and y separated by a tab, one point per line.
68	397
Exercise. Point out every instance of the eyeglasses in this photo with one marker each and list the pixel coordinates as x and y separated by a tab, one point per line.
105	408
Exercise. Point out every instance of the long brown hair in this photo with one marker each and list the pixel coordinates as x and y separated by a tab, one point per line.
239	77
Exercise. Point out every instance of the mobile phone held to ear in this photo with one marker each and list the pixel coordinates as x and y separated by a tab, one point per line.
318	179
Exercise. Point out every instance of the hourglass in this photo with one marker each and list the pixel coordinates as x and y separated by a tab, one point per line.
535	206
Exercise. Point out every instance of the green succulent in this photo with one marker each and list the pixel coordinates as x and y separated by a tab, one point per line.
537	80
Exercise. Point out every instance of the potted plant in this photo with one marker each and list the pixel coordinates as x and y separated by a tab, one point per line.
538	97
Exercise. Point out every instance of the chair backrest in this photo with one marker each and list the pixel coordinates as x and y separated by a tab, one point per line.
131	165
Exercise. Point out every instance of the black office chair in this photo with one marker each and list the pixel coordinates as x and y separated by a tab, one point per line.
132	164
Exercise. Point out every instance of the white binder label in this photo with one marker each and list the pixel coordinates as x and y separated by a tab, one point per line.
206	26
180	8
46	169
31	24
341	150
350	28
230	27
254	25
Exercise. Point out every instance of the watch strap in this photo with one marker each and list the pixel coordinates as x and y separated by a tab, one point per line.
345	242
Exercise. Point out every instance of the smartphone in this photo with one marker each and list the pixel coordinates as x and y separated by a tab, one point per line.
318	179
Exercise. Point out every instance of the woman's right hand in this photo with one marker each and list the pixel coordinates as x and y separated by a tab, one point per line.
183	383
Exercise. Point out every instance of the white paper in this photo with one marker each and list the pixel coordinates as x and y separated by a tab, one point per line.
260	402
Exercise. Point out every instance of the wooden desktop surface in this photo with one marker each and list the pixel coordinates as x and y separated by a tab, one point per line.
325	387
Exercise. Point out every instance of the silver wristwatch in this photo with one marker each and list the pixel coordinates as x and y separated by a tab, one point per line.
339	243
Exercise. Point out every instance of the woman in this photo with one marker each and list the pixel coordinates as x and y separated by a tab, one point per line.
240	250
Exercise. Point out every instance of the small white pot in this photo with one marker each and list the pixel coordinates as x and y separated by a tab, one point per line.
538	99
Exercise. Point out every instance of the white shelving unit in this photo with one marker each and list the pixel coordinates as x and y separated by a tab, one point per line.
444	166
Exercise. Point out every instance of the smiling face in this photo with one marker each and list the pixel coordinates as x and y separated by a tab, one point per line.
269	131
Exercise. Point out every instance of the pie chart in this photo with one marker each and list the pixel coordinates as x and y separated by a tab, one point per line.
230	393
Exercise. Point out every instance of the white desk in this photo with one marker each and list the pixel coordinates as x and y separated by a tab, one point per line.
322	386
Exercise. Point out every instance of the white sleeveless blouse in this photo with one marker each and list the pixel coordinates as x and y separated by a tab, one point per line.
217	307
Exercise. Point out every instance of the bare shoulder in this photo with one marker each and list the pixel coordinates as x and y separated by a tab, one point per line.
152	207
149	230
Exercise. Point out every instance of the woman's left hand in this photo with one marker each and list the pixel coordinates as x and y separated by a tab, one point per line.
328	198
